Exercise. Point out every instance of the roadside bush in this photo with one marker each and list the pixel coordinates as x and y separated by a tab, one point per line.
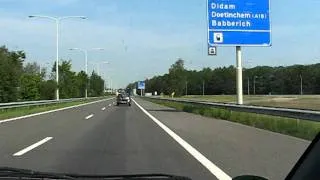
208	112
188	108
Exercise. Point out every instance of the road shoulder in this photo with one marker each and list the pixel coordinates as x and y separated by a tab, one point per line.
236	148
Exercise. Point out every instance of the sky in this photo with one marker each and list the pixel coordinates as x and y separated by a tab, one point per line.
142	38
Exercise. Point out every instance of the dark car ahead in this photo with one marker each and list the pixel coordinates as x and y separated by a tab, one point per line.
123	98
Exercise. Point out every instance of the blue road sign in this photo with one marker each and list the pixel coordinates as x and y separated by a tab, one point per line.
141	85
239	23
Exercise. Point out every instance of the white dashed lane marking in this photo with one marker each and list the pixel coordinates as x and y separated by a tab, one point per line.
90	116
29	148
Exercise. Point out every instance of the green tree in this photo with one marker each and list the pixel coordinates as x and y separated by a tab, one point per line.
67	80
48	89
10	72
96	85
30	86
222	80
31	68
82	82
177	78
30	82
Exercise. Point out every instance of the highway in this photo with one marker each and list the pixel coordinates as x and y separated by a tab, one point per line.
101	138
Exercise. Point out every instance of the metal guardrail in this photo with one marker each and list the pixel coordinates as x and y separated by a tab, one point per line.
282	112
39	103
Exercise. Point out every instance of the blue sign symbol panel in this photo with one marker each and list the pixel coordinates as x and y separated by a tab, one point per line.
141	85
239	23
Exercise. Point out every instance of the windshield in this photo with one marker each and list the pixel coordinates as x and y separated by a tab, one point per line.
204	89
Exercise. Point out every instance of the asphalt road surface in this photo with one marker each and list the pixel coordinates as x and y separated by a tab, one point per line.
101	138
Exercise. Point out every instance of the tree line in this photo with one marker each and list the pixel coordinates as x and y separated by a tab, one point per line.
295	79
22	81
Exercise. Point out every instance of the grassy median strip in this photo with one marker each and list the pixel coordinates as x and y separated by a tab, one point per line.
22	111
293	127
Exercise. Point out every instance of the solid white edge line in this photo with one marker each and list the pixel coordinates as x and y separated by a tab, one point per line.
215	170
90	116
51	111
29	148
104	108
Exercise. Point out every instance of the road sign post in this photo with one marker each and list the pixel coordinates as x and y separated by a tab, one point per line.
239	23
141	86
239	76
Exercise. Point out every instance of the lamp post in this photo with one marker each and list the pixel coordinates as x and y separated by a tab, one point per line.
301	81
254	84
186	88
57	21
202	88
248	86
85	52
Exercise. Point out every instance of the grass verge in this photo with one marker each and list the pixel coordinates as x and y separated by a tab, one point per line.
22	111
311	102
289	126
